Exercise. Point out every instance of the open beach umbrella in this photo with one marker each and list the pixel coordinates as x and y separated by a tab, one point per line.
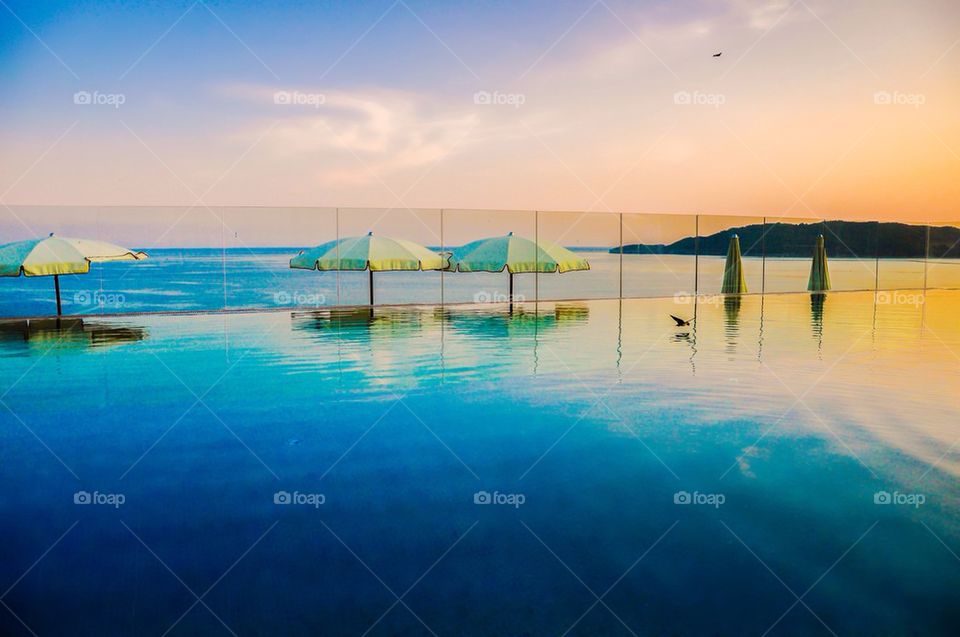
516	255
53	256
733	281
819	273
378	254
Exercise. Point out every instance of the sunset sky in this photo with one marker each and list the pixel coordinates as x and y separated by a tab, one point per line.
840	109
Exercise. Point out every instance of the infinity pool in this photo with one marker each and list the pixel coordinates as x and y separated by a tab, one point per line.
786	466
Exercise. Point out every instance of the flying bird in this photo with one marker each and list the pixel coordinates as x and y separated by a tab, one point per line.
716	55
680	321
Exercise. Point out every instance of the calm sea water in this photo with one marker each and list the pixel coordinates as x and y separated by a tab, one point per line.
698	481
198	279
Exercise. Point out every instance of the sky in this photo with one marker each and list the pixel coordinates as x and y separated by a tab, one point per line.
814	109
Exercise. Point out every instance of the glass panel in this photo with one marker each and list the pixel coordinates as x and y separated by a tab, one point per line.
943	263
591	236
658	257
463	226
788	244
852	254
259	245
902	250
182	273
715	238
422	226
184	270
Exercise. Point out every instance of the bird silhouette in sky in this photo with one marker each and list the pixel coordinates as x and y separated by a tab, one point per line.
716	55
680	321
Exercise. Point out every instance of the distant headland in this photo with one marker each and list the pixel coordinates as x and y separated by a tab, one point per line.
844	239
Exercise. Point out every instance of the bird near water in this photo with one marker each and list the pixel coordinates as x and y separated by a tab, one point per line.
716	55
680	322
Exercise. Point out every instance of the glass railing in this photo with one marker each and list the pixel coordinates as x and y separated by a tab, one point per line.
238	258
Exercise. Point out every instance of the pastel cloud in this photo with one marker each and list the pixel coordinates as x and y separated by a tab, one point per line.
381	131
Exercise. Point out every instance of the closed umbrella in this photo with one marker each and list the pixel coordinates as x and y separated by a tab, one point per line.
515	255
819	273
733	281
377	254
55	256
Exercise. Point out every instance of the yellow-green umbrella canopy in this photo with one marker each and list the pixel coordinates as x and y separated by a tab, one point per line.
378	254
819	273
53	256
515	255
733	280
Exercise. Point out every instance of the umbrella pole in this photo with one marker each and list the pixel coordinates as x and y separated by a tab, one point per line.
511	292
56	286
371	287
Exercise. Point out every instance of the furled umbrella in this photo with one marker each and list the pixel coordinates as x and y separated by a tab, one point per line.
516	255
55	256
819	273
376	254
733	281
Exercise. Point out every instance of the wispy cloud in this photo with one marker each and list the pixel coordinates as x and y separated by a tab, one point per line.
384	130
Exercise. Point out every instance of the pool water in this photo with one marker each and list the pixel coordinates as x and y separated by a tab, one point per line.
788	465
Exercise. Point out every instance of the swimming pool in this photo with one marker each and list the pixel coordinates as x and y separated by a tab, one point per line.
787	466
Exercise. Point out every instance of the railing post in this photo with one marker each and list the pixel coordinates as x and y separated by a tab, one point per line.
621	256
536	258
763	258
443	248
337	222
696	255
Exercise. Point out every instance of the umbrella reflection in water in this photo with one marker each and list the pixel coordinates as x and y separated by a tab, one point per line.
68	334
516	323
522	322
731	321
471	333
817	303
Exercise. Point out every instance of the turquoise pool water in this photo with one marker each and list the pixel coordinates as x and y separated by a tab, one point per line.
786	467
